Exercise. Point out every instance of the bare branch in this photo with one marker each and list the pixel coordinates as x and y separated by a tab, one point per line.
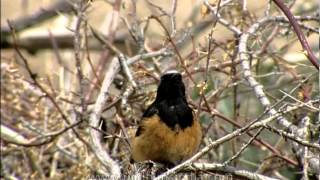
227	169
258	88
292	20
38	17
97	147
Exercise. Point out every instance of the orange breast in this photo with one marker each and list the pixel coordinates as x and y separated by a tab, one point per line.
160	143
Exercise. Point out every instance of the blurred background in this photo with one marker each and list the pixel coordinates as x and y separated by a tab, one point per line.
46	35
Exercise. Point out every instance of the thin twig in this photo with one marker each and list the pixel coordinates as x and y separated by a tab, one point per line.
80	7
243	147
293	137
204	86
258	88
173	18
292	20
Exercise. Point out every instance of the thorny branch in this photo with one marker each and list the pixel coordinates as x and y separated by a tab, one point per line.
35	81
141	63
258	88
312	58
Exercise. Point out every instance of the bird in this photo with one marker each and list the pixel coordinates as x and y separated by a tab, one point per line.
169	131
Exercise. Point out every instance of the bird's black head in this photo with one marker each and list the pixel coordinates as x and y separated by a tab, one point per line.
171	104
171	86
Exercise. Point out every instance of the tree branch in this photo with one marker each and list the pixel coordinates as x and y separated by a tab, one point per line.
304	43
38	17
258	88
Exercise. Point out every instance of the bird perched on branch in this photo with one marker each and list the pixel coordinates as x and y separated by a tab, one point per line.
168	132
